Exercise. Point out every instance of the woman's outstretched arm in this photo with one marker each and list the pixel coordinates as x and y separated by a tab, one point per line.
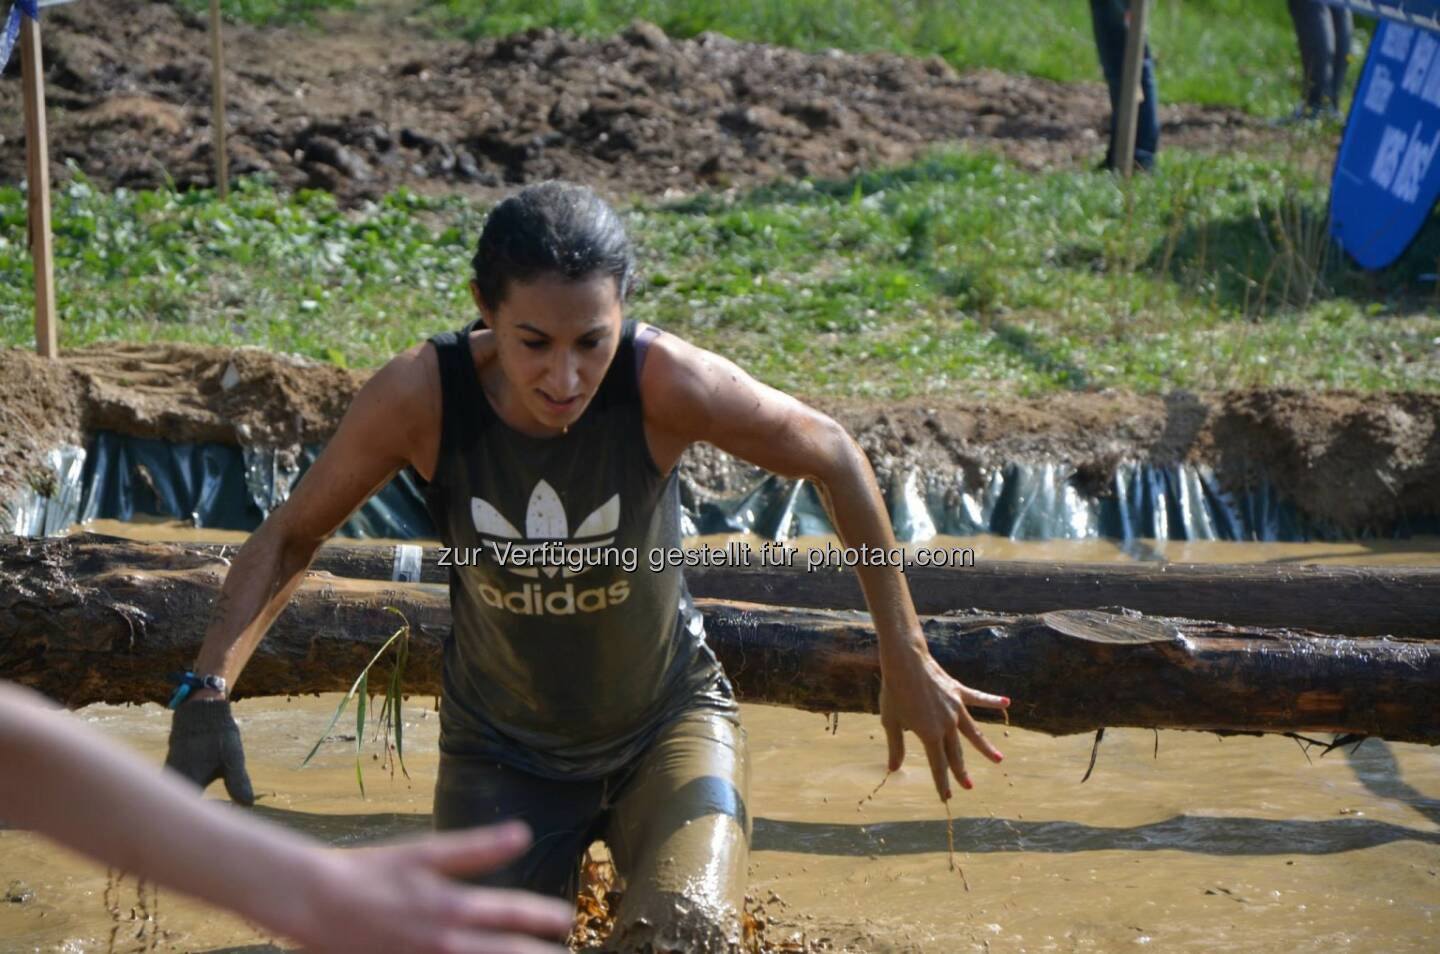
694	395
69	784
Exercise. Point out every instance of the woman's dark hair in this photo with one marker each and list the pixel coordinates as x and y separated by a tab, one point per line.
550	228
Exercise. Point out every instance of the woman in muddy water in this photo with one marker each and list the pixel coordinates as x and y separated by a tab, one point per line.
581	699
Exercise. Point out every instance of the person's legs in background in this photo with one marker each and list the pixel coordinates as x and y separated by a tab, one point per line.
1323	33
1107	17
1343	25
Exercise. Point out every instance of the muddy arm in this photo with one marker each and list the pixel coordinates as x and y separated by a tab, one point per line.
383	430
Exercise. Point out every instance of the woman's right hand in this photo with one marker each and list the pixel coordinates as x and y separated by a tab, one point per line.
205	746
402	898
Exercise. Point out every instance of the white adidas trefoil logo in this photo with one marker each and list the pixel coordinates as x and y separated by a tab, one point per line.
547	536
546	528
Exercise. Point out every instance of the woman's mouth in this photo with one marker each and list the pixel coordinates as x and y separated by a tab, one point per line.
559	405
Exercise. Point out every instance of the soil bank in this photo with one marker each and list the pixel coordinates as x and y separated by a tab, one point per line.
1357	460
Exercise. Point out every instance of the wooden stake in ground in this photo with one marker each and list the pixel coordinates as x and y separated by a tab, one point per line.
37	172
1124	143
217	103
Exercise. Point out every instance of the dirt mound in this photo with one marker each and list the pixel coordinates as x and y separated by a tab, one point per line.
1358	460
171	392
365	105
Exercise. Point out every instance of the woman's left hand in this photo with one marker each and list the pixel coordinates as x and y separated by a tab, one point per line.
916	694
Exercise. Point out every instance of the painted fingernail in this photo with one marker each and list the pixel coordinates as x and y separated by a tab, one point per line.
966	784
1005	700
998	757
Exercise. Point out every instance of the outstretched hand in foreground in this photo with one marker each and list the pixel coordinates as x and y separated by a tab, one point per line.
68	783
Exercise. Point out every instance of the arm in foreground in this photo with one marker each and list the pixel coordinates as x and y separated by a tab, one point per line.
699	396
71	785
385	428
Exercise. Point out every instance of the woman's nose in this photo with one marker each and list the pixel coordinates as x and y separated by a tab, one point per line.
564	374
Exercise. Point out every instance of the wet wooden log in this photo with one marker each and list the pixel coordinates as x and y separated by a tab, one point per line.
82	629
1344	600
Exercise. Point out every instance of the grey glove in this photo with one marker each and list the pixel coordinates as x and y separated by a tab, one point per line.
205	745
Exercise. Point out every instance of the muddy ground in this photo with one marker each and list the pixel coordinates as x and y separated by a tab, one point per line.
1358	460
371	102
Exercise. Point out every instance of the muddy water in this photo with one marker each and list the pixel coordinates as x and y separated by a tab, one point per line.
1234	844
1238	844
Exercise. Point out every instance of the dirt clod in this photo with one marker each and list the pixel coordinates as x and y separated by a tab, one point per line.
358	107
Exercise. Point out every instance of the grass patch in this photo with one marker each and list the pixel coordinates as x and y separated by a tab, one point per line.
1222	52
266	12
961	273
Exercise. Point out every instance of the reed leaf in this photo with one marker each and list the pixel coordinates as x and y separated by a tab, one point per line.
390	715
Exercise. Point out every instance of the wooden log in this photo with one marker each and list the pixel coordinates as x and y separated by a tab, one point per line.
83	629
1343	600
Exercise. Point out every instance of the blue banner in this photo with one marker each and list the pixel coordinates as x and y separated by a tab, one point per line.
1385	180
8	35
11	31
1421	13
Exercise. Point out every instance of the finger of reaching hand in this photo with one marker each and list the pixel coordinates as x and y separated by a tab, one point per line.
895	740
985	700
473	852
972	732
935	752
956	758
504	909
485	943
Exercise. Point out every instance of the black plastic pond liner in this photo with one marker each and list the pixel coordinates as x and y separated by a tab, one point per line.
227	487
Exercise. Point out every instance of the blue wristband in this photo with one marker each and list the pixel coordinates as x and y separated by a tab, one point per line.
189	682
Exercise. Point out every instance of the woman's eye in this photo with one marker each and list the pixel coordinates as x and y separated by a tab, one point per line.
533	345
589	345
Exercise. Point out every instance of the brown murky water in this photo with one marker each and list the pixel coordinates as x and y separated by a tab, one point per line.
1238	844
1234	844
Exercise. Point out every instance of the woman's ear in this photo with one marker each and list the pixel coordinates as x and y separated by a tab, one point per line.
479	303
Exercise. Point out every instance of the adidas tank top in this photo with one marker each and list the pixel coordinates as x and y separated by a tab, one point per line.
568	651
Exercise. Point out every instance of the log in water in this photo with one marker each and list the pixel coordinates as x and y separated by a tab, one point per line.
82	627
1345	600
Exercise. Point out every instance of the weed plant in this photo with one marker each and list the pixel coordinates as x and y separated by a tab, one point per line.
961	273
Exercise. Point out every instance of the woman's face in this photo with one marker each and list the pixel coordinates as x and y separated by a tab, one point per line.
555	339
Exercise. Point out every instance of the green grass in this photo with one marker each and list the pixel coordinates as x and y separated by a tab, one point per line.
959	275
270	11
1223	52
